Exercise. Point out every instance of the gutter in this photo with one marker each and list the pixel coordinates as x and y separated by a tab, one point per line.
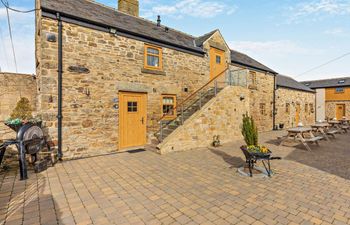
274	103
59	71
125	33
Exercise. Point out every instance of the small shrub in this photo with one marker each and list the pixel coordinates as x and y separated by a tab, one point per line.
23	110
249	131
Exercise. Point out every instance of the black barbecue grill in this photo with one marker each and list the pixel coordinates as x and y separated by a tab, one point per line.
30	140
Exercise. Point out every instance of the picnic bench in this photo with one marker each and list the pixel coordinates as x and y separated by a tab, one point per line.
302	134
337	124
322	128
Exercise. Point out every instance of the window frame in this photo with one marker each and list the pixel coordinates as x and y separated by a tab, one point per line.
339	92
262	109
287	108
160	56
162	104
253	79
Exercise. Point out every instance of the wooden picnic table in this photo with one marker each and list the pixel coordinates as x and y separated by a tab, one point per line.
338	124
300	134
321	128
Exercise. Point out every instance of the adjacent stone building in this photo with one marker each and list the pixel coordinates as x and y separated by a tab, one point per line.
13	86
295	103
332	97
122	75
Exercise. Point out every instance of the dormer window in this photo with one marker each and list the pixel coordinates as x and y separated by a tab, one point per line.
307	84
341	82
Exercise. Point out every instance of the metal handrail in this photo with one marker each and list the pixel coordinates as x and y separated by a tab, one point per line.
194	93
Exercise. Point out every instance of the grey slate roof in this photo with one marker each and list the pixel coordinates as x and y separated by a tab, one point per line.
288	82
334	82
200	40
245	60
102	15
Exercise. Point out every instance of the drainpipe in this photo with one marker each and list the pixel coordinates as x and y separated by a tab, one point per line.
60	71
274	103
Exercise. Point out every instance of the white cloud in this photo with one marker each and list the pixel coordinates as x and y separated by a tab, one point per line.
194	8
319	8
280	47
337	32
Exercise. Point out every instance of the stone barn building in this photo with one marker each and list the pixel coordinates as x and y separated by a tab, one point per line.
332	97
295	103
109	80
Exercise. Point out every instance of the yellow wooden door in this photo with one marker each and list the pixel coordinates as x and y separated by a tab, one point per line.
217	62
132	119
297	114
340	111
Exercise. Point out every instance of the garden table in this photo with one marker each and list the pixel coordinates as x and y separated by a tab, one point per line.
321	128
299	134
337	124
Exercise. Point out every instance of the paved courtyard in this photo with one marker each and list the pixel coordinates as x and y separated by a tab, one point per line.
194	187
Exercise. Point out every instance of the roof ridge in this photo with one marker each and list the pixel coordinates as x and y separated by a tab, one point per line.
337	78
210	32
137	17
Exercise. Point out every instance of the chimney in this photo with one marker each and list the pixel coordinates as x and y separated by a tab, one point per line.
130	7
158	21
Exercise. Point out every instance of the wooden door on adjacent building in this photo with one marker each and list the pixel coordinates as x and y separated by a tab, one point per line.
340	111
297	113
217	62
132	119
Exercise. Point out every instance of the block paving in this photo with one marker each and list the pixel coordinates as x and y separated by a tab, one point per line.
201	186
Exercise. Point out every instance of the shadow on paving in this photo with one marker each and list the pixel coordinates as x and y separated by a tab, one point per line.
331	156
234	161
27	202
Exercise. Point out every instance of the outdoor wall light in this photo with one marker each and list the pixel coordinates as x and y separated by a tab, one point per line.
113	31
185	89
87	92
242	97
51	37
50	99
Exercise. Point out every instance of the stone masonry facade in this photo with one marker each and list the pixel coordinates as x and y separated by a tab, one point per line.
90	123
12	87
221	116
286	101
260	94
331	108
108	64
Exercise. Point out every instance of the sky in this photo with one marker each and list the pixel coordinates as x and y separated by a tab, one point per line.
289	36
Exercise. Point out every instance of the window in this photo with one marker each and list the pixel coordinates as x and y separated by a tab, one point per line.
168	105
339	90
252	77
262	108
341	82
132	106
287	107
306	107
153	57
312	110
218	59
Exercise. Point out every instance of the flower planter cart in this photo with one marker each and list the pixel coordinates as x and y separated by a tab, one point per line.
253	157
29	140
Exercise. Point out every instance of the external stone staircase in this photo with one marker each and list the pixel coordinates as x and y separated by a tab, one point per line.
167	127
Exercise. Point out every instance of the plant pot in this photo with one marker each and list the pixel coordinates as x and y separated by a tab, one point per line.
16	127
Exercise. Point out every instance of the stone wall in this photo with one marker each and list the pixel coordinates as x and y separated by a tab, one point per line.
261	93
12	87
331	108
112	64
220	116
293	97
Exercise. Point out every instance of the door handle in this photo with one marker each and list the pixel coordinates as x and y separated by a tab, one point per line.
142	120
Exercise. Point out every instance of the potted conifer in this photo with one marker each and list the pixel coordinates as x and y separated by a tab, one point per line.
21	115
